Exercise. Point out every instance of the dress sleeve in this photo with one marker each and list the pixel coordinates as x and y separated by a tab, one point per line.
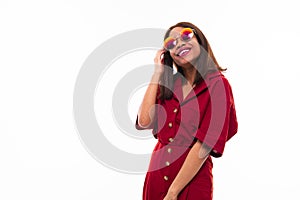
218	118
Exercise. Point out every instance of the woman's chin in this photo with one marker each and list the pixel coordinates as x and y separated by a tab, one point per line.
183	61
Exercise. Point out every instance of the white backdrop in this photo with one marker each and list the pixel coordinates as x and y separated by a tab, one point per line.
43	45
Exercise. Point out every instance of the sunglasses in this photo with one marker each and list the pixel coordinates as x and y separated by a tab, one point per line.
185	35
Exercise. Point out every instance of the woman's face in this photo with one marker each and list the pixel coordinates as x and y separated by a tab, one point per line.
185	53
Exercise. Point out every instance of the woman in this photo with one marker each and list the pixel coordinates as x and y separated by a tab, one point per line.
192	115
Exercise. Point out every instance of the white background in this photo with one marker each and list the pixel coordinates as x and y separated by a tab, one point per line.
43	45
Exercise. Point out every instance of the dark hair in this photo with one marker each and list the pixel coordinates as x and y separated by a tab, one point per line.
207	62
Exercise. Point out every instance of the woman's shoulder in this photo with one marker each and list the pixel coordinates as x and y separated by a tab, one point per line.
177	79
215	76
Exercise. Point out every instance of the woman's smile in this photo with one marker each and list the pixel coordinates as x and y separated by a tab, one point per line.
183	51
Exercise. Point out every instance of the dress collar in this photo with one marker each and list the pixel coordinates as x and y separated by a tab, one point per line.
198	89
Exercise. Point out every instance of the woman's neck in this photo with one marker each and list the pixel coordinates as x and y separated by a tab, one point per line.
190	74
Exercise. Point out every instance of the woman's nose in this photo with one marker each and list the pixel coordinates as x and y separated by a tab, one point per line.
179	44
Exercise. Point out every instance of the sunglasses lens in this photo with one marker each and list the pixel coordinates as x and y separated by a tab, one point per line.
186	34
169	43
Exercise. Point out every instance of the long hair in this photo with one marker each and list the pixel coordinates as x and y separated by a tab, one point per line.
207	62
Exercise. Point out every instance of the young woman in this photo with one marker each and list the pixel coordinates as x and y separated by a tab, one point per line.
190	107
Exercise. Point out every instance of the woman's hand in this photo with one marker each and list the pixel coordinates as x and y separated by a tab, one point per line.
171	196
158	60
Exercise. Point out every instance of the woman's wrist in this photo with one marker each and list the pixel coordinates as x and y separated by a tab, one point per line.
173	191
156	77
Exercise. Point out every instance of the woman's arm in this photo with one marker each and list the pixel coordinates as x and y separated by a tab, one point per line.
147	111
192	164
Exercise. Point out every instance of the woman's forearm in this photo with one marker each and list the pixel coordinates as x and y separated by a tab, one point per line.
147	111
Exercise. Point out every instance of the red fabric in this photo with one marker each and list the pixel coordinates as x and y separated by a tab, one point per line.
207	114
156	187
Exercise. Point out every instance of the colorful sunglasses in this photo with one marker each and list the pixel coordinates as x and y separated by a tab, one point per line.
186	35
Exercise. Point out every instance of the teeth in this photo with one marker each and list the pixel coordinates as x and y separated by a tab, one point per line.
183	51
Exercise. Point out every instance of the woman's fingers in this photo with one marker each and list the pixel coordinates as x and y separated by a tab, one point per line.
159	56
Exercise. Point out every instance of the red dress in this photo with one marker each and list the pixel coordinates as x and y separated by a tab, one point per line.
207	114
